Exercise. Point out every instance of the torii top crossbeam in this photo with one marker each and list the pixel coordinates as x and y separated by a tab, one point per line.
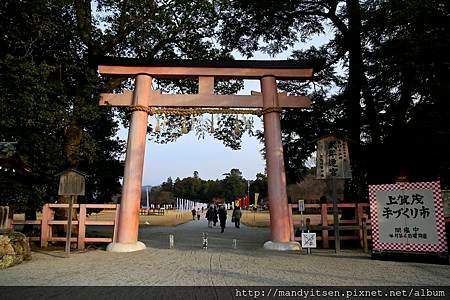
233	69
206	72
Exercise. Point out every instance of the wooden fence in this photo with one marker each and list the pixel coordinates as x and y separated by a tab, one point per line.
4	217
360	225
47	222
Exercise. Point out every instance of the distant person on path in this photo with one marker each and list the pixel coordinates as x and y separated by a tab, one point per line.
210	216
222	217
198	214
193	213
215	217
237	216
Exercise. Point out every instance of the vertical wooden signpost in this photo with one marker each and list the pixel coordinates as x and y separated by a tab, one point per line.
333	163
72	184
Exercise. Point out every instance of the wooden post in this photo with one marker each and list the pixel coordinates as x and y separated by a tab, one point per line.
69	225
51	217
359	215
82	227
6	217
364	232
9	214
291	223
45	228
324	218
337	241
116	221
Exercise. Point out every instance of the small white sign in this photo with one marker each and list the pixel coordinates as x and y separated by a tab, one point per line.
301	205
309	240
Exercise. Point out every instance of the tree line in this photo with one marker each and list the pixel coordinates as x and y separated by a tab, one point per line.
232	187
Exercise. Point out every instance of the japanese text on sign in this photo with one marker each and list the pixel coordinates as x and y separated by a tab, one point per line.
407	216
409	209
332	158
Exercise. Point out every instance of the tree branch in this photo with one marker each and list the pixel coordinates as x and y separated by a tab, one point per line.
124	28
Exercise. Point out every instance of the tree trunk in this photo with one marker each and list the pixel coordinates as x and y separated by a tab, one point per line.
355	188
401	109
71	147
371	112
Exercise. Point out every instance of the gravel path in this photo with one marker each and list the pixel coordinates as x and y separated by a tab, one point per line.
221	265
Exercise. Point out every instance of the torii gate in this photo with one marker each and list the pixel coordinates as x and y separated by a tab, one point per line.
144	98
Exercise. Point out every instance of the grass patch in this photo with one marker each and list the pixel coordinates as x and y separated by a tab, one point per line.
255	219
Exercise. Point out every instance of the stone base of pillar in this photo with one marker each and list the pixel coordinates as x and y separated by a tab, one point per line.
125	247
288	246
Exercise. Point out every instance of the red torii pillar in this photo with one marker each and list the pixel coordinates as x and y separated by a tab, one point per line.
276	176
128	227
207	72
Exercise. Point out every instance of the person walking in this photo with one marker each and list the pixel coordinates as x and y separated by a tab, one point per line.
222	217
194	212
237	216
215	217
210	216
198	214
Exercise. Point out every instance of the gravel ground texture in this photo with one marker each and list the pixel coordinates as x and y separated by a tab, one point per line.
187	264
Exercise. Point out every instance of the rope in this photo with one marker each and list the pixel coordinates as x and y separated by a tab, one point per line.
200	111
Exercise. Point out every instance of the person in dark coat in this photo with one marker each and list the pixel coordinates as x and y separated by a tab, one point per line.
215	217
222	217
194	212
210	216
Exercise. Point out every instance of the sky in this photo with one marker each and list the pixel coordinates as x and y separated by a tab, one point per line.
210	157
